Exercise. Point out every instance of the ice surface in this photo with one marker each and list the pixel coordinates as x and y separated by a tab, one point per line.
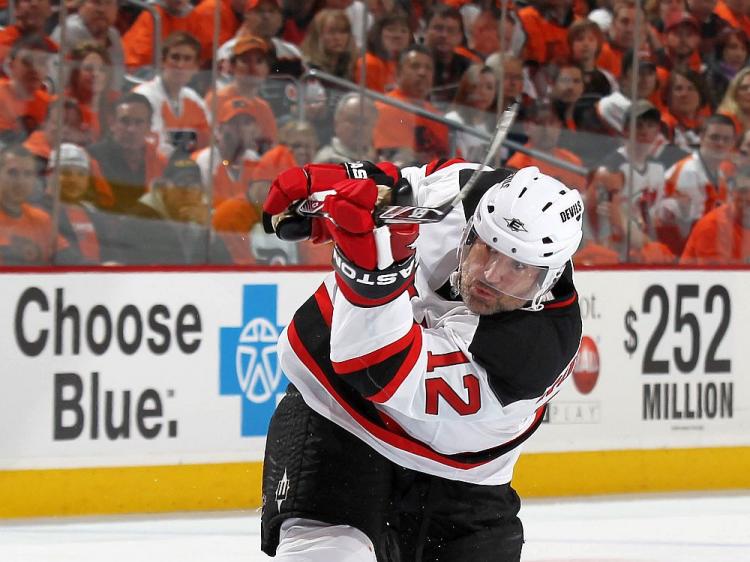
668	528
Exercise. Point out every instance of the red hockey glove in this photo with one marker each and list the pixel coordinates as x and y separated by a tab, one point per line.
295	184
373	264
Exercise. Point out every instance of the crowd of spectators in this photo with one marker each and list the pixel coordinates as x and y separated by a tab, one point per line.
111	153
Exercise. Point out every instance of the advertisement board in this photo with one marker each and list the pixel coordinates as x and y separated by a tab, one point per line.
148	380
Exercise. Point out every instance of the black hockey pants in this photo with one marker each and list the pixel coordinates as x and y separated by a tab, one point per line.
314	469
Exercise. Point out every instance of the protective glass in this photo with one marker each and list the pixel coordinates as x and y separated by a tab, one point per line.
500	272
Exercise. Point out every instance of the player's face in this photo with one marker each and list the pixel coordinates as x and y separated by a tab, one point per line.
17	179
489	278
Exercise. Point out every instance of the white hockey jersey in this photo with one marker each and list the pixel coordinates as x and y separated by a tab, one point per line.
428	384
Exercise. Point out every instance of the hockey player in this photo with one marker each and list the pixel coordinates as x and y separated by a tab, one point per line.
420	365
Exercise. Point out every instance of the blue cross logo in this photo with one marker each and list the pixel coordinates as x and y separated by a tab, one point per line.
248	363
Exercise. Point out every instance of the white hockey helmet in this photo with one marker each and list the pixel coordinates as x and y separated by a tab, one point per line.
532	222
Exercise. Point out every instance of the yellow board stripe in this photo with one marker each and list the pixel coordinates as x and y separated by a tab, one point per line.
204	487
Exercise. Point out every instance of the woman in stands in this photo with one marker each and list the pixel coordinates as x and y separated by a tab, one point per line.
89	85
329	44
686	102
736	102
730	56
475	105
388	37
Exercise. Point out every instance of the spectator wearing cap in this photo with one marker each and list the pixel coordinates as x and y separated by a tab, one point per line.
26	232
138	40
686	107
94	22
722	236
387	38
230	18
177	107
235	152
543	127
609	197
730	56
128	156
611	109
250	68
546	26
329	44
168	224
444	33
23	100
681	42
353	123
736	102
585	40
264	19
30	19
89	231
711	25
397	130
698	182
734	12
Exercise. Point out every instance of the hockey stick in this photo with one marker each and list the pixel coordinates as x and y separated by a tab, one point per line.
407	214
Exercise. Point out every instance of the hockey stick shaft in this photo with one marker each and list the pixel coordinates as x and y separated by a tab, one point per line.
397	214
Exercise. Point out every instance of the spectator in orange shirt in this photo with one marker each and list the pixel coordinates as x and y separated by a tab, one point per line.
250	68
546	25
736	102
238	220
235	152
681	41
444	33
686	100
387	38
403	136
74	130
329	44
26	232
230	18
620	38
543	127
89	83
722	237
30	19
128	157
734	12
23	101
178	109
91	232
138	41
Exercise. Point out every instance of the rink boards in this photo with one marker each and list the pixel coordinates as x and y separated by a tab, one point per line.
151	390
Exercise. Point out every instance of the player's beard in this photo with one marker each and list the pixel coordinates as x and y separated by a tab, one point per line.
482	299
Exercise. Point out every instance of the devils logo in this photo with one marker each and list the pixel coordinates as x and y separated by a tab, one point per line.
515	225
